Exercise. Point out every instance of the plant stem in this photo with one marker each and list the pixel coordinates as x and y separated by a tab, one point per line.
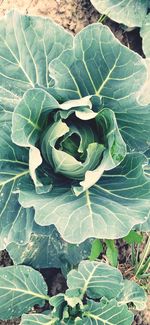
146	275
137	254
101	19
133	254
145	254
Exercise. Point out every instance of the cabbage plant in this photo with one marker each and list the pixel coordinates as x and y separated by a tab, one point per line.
22	287
73	134
128	12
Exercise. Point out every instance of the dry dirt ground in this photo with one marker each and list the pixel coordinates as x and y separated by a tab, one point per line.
72	15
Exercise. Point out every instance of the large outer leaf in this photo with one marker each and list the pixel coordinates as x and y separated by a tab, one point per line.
127	12
98	64
144	96
27	46
133	122
146	225
145	34
21	288
147	167
15	222
47	249
7	102
132	292
107	313
96	280
33	319
109	209
103	66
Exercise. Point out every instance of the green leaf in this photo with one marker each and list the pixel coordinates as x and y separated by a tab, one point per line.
97	249
59	304
27	46
142	271
84	108
47	249
113	152
147	166
40	319
119	199
66	158
133	121
77	321
33	319
144	227
96	280
145	34
129	12
133	293
30	115
13	160
8	101
108	313
133	238
112	252
73	298
21	288
107	68
144	96
15	222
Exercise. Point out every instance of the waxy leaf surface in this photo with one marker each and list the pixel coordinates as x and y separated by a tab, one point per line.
46	249
27	46
21	288
133	293
15	221
119	199
97	64
127	12
96	280
107	313
145	34
40	319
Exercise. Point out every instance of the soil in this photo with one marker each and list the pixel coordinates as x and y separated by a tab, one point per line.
73	15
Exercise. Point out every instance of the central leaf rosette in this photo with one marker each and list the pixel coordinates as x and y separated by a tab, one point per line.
79	139
72	148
